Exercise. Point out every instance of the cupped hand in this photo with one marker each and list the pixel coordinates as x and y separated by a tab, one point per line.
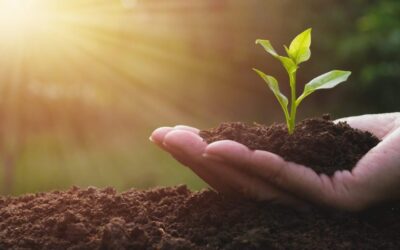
231	168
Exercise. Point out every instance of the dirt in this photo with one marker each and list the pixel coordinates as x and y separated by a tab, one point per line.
317	143
176	218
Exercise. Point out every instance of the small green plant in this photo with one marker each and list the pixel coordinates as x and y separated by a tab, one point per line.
298	52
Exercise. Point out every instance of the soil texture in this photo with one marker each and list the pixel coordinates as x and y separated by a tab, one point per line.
176	218
317	143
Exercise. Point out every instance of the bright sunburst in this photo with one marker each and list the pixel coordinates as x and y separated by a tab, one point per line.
50	42
97	73
101	46
21	18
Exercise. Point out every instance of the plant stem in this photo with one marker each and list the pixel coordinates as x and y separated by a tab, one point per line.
293	109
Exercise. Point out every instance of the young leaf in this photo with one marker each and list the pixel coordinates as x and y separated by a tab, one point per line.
299	49
267	46
325	81
287	50
287	62
273	85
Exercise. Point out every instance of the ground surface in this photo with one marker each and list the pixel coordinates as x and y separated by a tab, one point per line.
175	218
316	143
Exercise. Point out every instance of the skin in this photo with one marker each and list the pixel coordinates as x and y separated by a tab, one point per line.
231	168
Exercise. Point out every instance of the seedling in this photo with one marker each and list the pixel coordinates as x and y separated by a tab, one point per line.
297	53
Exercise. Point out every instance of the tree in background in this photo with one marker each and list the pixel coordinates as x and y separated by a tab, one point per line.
365	34
372	46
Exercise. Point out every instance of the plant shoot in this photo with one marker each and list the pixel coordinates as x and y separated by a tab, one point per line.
297	53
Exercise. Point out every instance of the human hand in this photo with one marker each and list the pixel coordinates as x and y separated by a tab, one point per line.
187	147
232	168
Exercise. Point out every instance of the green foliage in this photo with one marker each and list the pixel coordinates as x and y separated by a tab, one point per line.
298	52
274	86
362	36
287	62
325	81
371	48
299	49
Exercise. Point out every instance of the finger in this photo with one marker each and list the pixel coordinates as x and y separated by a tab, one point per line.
293	178
187	128
251	186
188	148
185	142
377	173
159	134
378	124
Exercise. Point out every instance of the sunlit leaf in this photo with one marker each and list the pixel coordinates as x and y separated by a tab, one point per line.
267	46
287	62
299	49
273	85
325	81
287	50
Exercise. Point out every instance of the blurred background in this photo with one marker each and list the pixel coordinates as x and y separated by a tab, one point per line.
83	83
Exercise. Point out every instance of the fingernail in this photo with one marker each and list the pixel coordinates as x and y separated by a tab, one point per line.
213	157
151	139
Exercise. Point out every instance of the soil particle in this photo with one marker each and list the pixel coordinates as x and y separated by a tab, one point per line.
317	143
176	218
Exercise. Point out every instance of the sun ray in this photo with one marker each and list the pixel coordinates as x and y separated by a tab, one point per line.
83	71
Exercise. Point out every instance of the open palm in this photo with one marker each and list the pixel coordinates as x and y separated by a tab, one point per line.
233	169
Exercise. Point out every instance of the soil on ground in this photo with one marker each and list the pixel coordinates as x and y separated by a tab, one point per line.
317	143
176	218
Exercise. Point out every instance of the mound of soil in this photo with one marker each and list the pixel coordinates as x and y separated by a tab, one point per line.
317	143
176	218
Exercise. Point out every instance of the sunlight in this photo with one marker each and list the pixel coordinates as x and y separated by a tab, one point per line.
87	73
111	48
19	18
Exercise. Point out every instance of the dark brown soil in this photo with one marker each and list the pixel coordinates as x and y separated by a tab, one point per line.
317	143
175	218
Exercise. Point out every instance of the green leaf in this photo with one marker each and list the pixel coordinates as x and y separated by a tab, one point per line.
267	46
325	81
273	85
287	62
299	49
287	50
